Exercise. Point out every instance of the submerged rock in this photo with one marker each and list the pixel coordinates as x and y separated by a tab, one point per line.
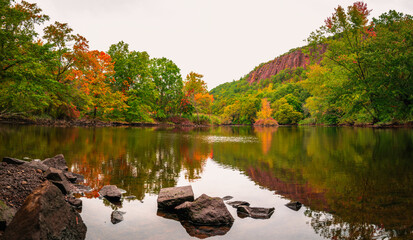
236	204
46	215
111	192
57	161
116	217
169	198
226	198
254	212
206	210
294	205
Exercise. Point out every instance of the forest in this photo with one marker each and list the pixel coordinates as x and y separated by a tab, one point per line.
364	77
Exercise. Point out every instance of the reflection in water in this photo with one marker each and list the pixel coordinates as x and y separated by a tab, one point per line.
354	183
196	230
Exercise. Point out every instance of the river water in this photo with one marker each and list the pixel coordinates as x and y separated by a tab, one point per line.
354	183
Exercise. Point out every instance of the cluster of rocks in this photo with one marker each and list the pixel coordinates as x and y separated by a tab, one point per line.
37	201
204	216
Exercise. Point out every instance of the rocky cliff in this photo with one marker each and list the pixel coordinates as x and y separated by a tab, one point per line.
290	60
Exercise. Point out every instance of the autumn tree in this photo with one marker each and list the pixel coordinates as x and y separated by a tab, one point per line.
196	90
264	115
92	75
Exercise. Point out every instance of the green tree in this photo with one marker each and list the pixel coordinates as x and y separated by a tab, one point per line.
168	84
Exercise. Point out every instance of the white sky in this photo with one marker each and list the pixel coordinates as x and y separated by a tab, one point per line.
221	39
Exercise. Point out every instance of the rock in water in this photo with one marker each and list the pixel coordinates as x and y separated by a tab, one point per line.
294	205
46	215
227	198
254	212
174	196
206	210
116	217
57	161
236	204
111	192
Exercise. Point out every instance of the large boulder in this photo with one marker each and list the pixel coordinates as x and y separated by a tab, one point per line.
206	210
169	198
111	192
54	174
57	161
46	215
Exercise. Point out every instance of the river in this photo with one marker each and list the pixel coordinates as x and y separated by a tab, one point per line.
354	183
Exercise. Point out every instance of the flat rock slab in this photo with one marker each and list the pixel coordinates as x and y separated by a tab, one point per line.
111	192
254	212
37	165
174	196
206	210
227	198
294	205
46	215
15	161
54	174
236	204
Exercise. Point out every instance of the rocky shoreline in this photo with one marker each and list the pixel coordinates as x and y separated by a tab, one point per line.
37	202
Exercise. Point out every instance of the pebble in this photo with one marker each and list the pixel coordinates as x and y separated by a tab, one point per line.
8	187
39	171
24	182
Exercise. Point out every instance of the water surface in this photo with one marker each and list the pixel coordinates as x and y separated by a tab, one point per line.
354	183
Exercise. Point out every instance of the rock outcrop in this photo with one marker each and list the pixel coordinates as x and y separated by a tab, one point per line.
46	215
290	60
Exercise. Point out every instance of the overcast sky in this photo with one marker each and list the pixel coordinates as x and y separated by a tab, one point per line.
221	39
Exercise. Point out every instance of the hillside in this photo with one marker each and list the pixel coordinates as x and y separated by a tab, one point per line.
291	60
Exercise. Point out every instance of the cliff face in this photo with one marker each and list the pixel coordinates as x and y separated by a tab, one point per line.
291	60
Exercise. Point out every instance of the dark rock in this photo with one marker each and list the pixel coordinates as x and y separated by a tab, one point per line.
79	178
110	192
37	165
294	205
70	176
116	217
174	196
75	202
46	215
236	204
254	212
65	186
193	230
54	174
57	161
16	161
6	215
227	198
206	210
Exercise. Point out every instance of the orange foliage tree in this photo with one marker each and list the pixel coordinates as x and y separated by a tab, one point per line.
93	74
264	115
